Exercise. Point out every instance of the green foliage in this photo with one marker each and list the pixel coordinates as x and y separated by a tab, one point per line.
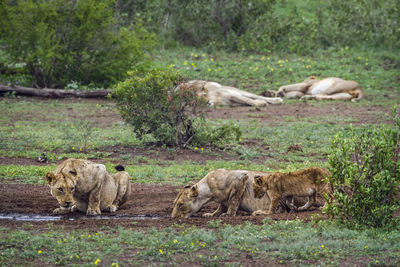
366	176
62	41
151	104
269	25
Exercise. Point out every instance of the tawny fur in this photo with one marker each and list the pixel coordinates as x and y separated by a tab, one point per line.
231	189
284	186
331	88
220	95
86	186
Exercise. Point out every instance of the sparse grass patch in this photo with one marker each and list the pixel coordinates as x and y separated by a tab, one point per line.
284	242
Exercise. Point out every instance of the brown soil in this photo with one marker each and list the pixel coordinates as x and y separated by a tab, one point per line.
149	206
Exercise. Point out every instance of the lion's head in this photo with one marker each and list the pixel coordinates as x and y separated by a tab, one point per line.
185	204
62	187
260	186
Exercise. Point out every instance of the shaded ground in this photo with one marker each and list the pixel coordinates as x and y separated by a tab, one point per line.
149	206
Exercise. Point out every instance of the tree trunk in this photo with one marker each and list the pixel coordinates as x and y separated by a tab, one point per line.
53	93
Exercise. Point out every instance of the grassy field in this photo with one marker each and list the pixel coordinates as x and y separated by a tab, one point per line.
272	243
67	129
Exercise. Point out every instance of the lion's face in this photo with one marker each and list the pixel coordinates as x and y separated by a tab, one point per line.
62	187
185	203
260	186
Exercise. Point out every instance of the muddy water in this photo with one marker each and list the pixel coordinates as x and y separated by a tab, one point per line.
42	218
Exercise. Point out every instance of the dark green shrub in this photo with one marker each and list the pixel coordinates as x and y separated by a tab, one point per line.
365	170
151	103
61	41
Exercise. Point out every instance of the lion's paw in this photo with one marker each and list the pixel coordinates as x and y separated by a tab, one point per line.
91	212
260	212
307	97
111	208
60	211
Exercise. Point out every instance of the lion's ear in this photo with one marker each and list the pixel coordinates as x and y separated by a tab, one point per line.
194	191
50	177
258	180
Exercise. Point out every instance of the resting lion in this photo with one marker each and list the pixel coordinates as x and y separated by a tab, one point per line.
221	95
326	89
86	186
282	187
231	189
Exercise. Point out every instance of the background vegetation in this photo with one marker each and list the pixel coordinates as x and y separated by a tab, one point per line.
253	45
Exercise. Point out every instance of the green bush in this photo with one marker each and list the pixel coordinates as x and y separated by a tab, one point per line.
366	176
62	41
151	103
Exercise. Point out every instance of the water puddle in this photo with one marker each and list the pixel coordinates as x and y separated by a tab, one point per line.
42	218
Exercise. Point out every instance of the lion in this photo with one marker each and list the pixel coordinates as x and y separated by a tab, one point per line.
283	187
85	186
331	88
231	189
220	95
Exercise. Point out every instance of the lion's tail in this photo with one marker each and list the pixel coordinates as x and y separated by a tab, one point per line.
120	168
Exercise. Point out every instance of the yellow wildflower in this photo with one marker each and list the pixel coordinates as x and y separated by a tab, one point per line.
97	261
39	252
161	252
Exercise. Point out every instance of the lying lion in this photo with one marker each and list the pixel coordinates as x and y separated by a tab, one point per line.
232	190
326	89
219	95
86	186
282	187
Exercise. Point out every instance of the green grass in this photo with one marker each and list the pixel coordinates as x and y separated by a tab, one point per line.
272	243
66	129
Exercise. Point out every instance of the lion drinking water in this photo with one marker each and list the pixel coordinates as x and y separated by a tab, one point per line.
86	186
231	189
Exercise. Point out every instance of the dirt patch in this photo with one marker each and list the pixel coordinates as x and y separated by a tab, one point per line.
149	206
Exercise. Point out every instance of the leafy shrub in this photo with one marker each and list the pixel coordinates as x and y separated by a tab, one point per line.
366	176
62	41
152	104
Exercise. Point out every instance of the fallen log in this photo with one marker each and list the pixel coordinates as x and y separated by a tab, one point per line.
53	93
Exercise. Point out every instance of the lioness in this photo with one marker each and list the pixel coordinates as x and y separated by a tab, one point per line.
217	94
86	186
326	89
231	189
284	186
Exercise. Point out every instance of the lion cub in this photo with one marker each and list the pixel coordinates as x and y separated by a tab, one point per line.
282	187
86	186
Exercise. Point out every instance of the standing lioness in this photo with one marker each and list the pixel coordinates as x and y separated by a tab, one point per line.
285	186
231	189
86	186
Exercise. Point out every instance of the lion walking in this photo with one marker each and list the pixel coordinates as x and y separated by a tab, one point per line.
283	187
